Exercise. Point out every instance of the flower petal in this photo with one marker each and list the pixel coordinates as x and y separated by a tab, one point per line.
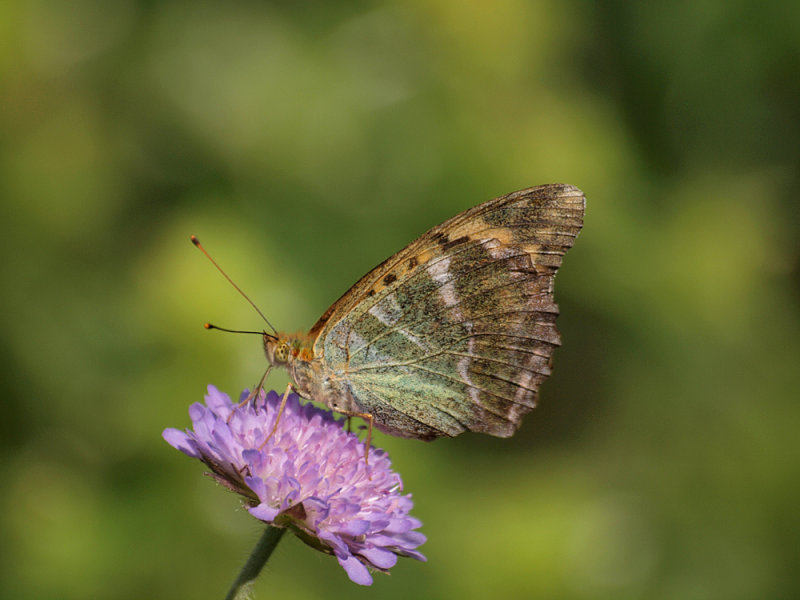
383	559
180	441
355	527
356	571
264	512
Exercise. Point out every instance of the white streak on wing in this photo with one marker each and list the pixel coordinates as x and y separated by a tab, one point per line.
497	251
525	379
412	338
515	412
440	270
440	273
380	313
463	371
519	408
449	295
389	312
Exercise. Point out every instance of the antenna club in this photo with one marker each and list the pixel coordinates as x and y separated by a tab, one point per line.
226	330
195	241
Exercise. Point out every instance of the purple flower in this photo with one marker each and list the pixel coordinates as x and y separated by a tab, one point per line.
310	477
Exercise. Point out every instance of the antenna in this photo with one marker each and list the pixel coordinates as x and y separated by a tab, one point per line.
196	242
210	326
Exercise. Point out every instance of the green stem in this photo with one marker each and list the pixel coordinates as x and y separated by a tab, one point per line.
251	569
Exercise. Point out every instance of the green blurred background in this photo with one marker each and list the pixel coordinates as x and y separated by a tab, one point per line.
304	142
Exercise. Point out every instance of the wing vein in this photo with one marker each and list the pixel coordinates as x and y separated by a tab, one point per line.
472	321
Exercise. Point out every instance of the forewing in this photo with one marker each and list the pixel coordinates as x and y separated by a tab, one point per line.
456	331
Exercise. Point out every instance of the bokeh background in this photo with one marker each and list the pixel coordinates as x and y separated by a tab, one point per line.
304	142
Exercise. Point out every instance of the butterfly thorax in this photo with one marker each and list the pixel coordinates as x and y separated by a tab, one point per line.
295	353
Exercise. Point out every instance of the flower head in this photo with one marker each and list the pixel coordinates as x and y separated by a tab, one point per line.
310	477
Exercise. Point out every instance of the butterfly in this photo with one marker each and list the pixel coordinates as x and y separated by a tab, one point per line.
453	333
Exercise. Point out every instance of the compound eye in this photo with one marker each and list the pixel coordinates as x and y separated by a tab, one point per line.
282	352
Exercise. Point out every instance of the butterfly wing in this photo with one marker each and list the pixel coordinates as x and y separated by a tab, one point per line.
455	332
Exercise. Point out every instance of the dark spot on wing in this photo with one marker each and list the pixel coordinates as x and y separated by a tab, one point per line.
371	293
412	262
446	245
440	238
389	279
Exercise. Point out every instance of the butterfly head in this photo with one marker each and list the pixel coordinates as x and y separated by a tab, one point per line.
295	354
277	350
283	350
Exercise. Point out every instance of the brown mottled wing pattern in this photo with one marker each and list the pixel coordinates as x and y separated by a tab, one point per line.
456	331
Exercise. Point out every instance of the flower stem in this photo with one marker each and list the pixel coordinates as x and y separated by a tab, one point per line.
261	553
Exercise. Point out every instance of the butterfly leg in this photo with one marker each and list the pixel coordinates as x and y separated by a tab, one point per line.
278	417
368	443
369	419
253	394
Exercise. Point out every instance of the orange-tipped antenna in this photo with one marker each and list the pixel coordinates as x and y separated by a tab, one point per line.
210	326
196	242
